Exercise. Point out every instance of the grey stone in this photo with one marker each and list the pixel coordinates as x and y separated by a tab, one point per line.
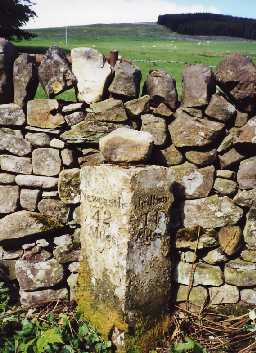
247	134
215	257
9	197
6	178
15	164
50	194
211	212
23	223
67	156
8	55
126	145
136	107
11	255
36	181
57	143
55	209
246	175
157	127
240	273
63	240
65	254
38	139
73	107
249	255
42	243
25	79
29	199
43	113
41	297
69	186
188	256
163	111
14	144
196	238
225	186
74	267
46	161
197	296
220	109
250	228
230	158
225	174
111	110
35	275
224	295
72	283
11	115
74	118
248	296
245	198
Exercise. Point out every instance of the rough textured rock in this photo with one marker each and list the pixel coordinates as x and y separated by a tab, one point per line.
126	83
74	118
72	283
198	85
55	209
188	256
211	212
224	295
11	114
215	257
38	139
65	254
220	109
161	87
73	107
69	186
250	228
241	119
197	296
126	145
247	134
201	158
92	73
29	199
25	79
46	161
14	144
57	143
111	110
136	107
8	55
187	238
240	273
230	158
43	113
248	296
23	223
193	132
245	198
225	174
228	140
246	175
36	181
225	186
157	127
236	75
191	182
15	164
230	239
42	296
68	157
248	255
35	275
163	111
169	156
9	196
204	274
55	74
6	178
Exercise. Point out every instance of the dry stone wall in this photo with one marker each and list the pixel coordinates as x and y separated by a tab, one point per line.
206	140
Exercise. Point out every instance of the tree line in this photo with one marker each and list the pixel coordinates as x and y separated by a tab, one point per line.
207	24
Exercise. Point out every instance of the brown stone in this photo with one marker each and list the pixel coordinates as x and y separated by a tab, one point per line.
246	175
220	109
230	158
157	127
55	209
230	239
247	134
136	107
46	161
43	113
201	158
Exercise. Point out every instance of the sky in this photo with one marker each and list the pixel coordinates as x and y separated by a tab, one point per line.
55	13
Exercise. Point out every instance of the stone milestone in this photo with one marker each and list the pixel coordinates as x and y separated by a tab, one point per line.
125	217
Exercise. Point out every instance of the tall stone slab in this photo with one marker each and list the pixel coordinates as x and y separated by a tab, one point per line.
124	283
8	54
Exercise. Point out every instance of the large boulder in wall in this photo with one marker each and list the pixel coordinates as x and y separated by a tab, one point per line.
8	54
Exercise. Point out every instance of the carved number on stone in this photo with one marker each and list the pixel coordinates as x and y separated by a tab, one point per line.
102	220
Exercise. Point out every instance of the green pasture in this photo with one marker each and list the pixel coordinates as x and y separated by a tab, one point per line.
148	45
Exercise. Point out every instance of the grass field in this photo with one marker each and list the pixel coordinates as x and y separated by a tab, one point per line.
148	45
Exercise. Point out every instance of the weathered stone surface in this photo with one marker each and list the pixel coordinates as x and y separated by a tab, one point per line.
126	83
23	223
193	132
74	267
36	181
246	175
92	73
35	275
236	75
136	107
42	296
55	209
204	274
220	109
57	143
187	238
8	55
91	159
69	186
14	144
163	111
126	145
191	182
65	254
250	228
29	199
38	139
225	186
63	240
55	74
25	79
74	118
249	255
230	158
9	268
73	107
215	257
46	161
247	134
230	239
157	127
50	194
43	113
188	256
9	196
6	178
72	283
11	115
53	132
248	296
241	119
111	110
197	296
114	230
194	112
67	156
225	174
15	164
168	156
161	87
201	158
228	140
198	85
211	212
89	131
240	273
224	295
11	255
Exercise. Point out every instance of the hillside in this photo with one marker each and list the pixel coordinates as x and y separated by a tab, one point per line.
208	24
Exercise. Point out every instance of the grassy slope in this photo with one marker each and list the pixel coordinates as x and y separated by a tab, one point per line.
148	45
